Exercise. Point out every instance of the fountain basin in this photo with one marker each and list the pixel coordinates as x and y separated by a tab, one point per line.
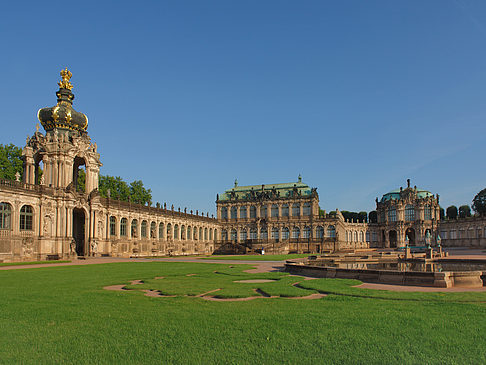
440	279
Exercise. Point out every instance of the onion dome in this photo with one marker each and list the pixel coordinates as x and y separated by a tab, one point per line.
62	115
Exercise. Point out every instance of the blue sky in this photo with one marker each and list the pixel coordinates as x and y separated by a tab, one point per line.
357	96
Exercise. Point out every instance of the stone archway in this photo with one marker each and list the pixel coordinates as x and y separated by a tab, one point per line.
410	233
392	237
79	219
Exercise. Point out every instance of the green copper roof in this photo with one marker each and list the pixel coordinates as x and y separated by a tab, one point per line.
251	191
395	195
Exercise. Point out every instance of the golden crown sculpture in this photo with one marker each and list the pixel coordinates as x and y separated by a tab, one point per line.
64	83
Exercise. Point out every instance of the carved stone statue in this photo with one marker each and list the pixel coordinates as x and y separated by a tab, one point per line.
17	176
94	247
72	247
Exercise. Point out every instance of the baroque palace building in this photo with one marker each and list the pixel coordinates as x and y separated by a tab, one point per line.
47	215
283	218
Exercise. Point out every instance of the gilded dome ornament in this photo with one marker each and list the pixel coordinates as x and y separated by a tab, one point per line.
66	76
62	116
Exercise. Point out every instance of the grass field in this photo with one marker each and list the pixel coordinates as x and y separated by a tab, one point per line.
257	257
63	315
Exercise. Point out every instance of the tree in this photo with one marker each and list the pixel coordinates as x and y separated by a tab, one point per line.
354	216
451	212
363	217
373	216
464	211
479	202
10	161
119	189
81	183
139	194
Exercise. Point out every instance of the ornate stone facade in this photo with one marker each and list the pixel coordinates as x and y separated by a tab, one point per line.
463	232
407	215
281	218
49	216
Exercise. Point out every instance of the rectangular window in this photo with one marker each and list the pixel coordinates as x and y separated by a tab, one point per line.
25	222
112	226
243	211
123	227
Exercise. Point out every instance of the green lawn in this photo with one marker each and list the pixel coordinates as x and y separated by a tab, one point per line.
62	315
257	257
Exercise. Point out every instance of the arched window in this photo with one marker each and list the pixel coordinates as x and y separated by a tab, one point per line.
296	210
274	210
5	216
427	212
285	210
275	233
161	231
224	212
201	237
169	231
367	236
210	234
355	236
307	209
253	234
224	234
215	234
409	213
252	212
205	234
243	212
392	215
152	229
183	232
263	211
233	235
189	233
26	218
307	232
295	232
143	229
285	233
263	233
347	236
133	229
123	227
319	232
112	226
382	216
243	235
361	237
234	212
